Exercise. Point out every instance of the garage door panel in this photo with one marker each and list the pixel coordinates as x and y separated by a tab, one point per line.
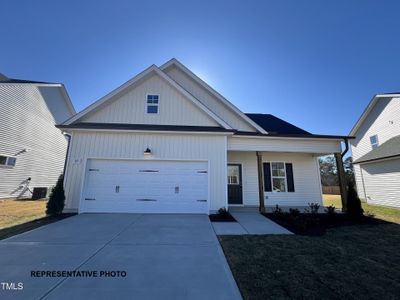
146	186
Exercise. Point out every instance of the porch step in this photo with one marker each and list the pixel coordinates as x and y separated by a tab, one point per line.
243	208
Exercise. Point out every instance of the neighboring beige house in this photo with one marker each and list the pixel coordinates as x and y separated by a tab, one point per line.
376	151
32	149
166	142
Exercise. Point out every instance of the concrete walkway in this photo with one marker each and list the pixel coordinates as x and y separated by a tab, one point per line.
164	257
248	223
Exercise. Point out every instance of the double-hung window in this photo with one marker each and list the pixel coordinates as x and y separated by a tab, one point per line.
152	104
8	161
374	141
278	176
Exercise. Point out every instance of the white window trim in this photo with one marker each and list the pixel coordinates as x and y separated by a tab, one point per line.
147	104
375	144
272	177
7	166
240	172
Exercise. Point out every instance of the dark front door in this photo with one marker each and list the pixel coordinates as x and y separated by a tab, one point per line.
235	184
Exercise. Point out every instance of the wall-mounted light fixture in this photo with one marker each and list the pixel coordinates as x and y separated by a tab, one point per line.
147	153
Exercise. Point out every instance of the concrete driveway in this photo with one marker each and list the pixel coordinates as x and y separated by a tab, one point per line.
164	257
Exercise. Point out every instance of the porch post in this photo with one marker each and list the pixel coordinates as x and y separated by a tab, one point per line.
260	182
342	180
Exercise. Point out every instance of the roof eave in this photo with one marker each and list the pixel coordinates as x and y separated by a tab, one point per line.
367	110
174	61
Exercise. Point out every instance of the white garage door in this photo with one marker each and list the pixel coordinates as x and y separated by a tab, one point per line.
145	186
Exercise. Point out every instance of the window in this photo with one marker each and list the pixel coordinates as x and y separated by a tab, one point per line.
278	177
8	161
152	104
278	173
374	141
233	174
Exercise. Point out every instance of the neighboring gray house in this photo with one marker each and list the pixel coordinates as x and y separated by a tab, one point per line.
166	142
32	149
376	151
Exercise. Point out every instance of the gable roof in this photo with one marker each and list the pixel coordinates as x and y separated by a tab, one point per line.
67	99
389	149
203	84
369	107
276	125
153	69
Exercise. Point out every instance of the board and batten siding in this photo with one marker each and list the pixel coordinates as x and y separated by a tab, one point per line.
307	182
130	107
129	145
209	100
284	145
382	182
27	123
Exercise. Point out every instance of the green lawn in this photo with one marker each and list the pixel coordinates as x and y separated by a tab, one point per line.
380	212
350	262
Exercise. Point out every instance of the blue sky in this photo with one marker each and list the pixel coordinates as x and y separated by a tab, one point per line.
313	63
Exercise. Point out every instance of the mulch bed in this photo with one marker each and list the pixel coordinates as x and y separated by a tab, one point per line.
225	217
317	224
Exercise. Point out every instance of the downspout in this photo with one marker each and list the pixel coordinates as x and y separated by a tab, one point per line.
68	136
346	144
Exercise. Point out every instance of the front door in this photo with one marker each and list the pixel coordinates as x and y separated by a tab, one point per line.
235	184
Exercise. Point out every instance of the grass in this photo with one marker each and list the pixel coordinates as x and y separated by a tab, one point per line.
334	200
17	229
18	216
15	212
351	262
380	212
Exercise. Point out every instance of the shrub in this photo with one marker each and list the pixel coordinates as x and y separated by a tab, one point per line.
277	210
56	203
330	210
294	212
354	208
313	208
223	211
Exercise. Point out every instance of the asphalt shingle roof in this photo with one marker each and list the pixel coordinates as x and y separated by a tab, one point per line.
390	148
274	125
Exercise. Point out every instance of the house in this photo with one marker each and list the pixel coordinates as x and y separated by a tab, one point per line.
376	151
32	150
166	142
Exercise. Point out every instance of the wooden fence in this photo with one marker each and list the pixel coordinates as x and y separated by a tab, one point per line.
332	190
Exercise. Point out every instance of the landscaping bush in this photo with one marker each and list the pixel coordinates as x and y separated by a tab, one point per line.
223	211
313	208
277	210
294	212
330	210
56	203
354	208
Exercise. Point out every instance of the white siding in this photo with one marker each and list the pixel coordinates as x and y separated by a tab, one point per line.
209	100
382	182
27	123
380	186
359	180
130	107
383	120
305	173
86	145
280	145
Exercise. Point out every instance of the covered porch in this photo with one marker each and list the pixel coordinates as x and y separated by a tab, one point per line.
263	172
